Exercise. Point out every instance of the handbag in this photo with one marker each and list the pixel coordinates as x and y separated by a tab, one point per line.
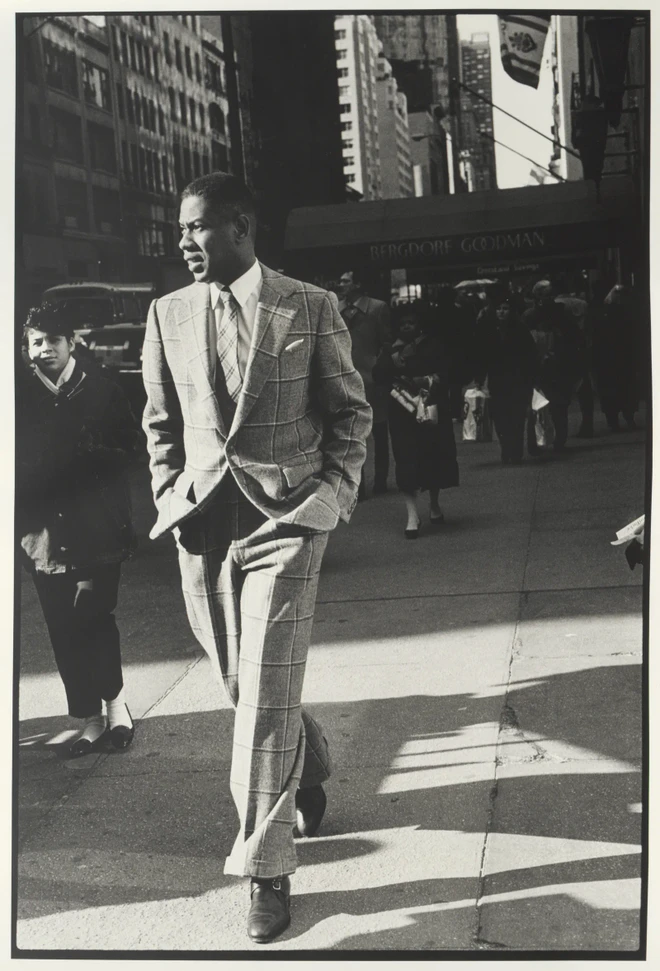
416	404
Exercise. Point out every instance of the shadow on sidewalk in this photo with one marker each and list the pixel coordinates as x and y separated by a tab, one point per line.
156	822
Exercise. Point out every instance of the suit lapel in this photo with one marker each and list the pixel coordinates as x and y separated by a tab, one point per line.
275	313
193	320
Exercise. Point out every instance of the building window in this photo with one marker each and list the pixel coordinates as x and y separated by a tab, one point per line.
140	61
143	168
349	160
106	210
134	165
166	48
157	180
101	147
161	120
342	72
124	49
196	166
193	114
344	90
120	99
347	143
198	68
67	132
147	62
131	46
218	157
115	43
152	116
340	35
189	69
60	68
150	169
344	109
152	239
216	119
341	54
156	56
346	126
72	210
126	165
172	95
205	164
177	55
166	175
129	106
187	168
350	176
138	109
202	123
182	108
96	86
213	75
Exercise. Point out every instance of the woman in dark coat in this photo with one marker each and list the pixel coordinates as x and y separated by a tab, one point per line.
424	451
615	340
76	435
509	360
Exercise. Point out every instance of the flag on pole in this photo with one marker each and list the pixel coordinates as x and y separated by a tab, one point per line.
522	38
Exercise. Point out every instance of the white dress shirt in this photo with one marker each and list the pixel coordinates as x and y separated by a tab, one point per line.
65	374
246	291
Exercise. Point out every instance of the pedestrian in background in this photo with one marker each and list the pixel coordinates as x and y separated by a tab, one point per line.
424	451
614	355
75	439
509	362
256	425
368	322
561	358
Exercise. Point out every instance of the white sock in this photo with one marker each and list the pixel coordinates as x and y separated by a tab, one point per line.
118	712
93	727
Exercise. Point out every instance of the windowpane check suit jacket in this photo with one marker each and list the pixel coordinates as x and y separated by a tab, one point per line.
296	444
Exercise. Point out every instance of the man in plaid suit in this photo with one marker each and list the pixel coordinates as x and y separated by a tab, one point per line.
256	424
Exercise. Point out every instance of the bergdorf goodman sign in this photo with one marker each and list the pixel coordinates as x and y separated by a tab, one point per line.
457	248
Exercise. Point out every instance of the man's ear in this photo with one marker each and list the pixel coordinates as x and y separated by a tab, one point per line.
242	225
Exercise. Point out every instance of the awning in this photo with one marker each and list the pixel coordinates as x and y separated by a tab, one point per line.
528	223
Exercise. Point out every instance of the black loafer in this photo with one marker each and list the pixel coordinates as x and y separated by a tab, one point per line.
83	746
269	909
310	807
121	736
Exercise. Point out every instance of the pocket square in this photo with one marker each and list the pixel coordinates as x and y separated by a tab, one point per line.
290	347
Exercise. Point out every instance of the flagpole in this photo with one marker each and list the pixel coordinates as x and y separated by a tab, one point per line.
475	94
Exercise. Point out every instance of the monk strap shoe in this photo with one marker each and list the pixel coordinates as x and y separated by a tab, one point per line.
269	909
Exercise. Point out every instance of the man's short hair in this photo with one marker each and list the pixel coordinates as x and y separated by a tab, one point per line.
224	193
51	318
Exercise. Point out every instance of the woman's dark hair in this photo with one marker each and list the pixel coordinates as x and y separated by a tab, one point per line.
417	308
51	318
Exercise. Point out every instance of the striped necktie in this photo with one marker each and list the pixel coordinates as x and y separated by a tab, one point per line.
227	343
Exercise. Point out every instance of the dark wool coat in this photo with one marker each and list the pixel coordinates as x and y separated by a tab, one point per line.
424	453
72	450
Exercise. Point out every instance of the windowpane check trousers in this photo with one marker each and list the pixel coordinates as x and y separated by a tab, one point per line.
249	586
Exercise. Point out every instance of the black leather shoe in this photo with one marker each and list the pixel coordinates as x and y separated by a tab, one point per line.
310	807
269	909
121	736
83	746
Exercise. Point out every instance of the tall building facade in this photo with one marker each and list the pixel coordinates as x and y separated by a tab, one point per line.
416	47
120	112
394	147
294	118
476	74
358	50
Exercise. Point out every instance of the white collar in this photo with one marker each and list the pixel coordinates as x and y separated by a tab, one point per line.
242	288
64	376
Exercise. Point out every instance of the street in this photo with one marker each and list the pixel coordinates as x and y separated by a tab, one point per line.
481	692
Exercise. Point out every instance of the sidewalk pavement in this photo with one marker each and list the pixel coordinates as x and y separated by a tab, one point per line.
481	692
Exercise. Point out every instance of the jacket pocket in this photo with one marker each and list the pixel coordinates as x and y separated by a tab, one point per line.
296	474
184	486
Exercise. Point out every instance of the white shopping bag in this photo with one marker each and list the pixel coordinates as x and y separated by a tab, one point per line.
539	400
544	427
477	426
